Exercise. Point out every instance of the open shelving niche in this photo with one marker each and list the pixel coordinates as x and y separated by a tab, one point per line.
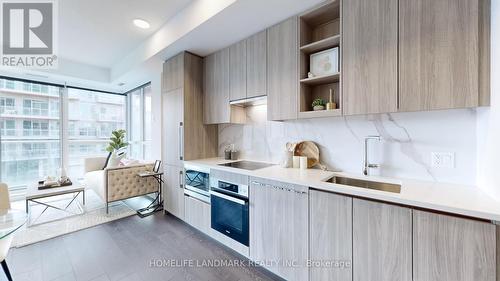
319	30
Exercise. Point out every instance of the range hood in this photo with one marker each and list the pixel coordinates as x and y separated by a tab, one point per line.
259	100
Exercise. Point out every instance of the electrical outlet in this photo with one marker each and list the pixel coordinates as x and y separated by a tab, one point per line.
443	159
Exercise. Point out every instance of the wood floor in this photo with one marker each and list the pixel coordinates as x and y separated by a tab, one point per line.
123	250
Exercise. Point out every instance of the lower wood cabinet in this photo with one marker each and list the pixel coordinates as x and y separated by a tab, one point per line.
447	248
173	195
279	227
197	213
330	240
382	242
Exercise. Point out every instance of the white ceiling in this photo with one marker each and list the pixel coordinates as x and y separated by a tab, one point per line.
101	32
99	47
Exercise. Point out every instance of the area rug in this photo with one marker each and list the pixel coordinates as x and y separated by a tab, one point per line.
53	223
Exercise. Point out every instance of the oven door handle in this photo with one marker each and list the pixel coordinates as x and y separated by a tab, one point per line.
227	197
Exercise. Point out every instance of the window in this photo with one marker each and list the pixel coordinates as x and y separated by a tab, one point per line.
30	140
140	123
8	128
7	105
36	107
92	118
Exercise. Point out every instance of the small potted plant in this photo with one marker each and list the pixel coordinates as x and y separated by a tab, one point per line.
116	147
318	104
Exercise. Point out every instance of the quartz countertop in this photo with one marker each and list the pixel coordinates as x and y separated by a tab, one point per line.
450	198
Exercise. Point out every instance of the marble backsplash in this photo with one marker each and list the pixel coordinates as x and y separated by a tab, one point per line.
408	139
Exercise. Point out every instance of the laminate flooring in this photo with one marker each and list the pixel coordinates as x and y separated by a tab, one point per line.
158	247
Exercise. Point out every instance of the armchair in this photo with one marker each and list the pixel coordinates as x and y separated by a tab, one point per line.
117	183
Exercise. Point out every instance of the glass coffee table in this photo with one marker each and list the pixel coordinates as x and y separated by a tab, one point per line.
10	221
37	196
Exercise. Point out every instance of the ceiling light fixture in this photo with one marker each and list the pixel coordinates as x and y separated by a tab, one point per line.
141	23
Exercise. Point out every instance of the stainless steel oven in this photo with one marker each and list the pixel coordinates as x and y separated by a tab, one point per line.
197	182
229	210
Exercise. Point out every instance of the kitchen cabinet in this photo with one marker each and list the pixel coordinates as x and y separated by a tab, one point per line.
216	107
370	56
256	73
330	226
382	241
438	54
197	213
174	190
238	71
279	227
173	106
447	248
184	136
216	94
282	70
173	70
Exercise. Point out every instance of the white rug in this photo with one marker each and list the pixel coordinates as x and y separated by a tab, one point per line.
54	223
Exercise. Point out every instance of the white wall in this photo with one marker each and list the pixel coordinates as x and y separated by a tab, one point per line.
408	141
488	119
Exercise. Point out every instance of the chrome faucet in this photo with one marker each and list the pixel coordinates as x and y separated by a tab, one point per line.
366	165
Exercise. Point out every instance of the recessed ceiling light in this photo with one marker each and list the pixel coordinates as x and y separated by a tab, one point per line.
142	23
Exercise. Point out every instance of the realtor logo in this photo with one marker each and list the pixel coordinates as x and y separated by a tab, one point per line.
29	33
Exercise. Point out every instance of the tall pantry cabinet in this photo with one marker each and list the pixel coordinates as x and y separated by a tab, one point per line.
184	135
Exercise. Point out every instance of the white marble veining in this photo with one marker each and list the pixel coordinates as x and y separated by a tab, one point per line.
405	151
451	198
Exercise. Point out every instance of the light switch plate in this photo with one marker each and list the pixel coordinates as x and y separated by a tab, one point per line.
443	159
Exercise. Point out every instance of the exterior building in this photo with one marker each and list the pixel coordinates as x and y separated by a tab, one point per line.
30	130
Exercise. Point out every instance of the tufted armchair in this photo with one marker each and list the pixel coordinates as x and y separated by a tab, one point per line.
115	184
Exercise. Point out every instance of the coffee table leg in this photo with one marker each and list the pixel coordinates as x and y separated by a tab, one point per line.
83	197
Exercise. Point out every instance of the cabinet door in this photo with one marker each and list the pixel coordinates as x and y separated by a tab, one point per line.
370	56
173	197
173	112
238	71
257	65
216	94
279	227
438	54
197	213
447	248
282	71
330	227
173	73
382	246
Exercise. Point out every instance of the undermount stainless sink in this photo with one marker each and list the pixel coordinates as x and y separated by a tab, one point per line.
382	186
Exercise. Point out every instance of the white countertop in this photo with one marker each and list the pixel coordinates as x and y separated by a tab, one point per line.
451	198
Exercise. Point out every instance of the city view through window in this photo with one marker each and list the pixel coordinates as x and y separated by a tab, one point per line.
31	135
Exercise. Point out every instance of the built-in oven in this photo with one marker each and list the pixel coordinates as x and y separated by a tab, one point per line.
197	182
229	210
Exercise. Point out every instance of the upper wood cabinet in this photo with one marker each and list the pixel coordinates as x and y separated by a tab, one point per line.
330	228
370	56
256	57
382	245
447	248
216	94
216	107
173	73
438	54
238	71
282	70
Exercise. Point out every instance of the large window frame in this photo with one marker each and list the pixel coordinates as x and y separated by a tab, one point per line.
33	129
139	139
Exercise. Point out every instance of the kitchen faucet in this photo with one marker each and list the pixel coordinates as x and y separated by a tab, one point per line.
366	165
